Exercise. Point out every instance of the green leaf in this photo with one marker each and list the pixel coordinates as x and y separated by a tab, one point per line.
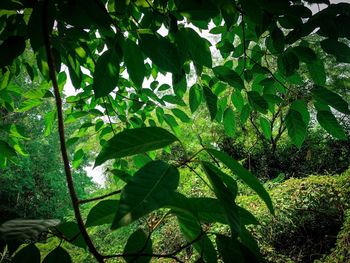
228	75
11	48
317	72
148	190
49	122
70	231
161	51
246	110
257	102
134	141
245	175
330	98
212	101
106	73
225	196
195	97
229	122
197	9
27	254
328	121
138	243
266	127
287	63
133	58
25	229
278	39
192	230
305	54
340	50
102	213
296	127
6	150
229	249
58	255
181	115
237	100
301	107
194	46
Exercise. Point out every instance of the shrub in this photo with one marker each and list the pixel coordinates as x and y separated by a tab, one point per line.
309	214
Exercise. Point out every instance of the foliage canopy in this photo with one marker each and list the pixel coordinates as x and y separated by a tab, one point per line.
110	48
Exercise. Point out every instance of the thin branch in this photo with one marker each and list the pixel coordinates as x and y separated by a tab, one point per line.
68	172
84	201
109	118
188	160
244	44
193	170
270	72
170	255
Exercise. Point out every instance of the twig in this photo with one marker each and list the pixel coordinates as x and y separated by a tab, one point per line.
109	119
193	170
170	255
84	201
68	172
244	46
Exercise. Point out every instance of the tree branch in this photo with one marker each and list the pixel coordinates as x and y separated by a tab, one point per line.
67	169
84	201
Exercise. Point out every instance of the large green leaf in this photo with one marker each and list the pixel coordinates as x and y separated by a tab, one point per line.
22	229
340	50
305	54
133	58
148	190
102	213
106	75
257	102
138	243
10	49
327	120
317	72
225	196
194	46
330	98
301	107
207	210
228	75
229	122
195	97
229	249
237	100
197	9
71	232
266	127
181	115
287	63
278	39
245	175
27	254
212	101
161	51
296	127
192	230
58	255
134	141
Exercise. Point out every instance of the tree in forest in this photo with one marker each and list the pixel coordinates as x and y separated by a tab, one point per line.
110	47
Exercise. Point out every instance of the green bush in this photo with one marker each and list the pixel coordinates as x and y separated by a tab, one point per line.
309	214
341	252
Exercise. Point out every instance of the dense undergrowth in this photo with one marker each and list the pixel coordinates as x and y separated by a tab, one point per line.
311	224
